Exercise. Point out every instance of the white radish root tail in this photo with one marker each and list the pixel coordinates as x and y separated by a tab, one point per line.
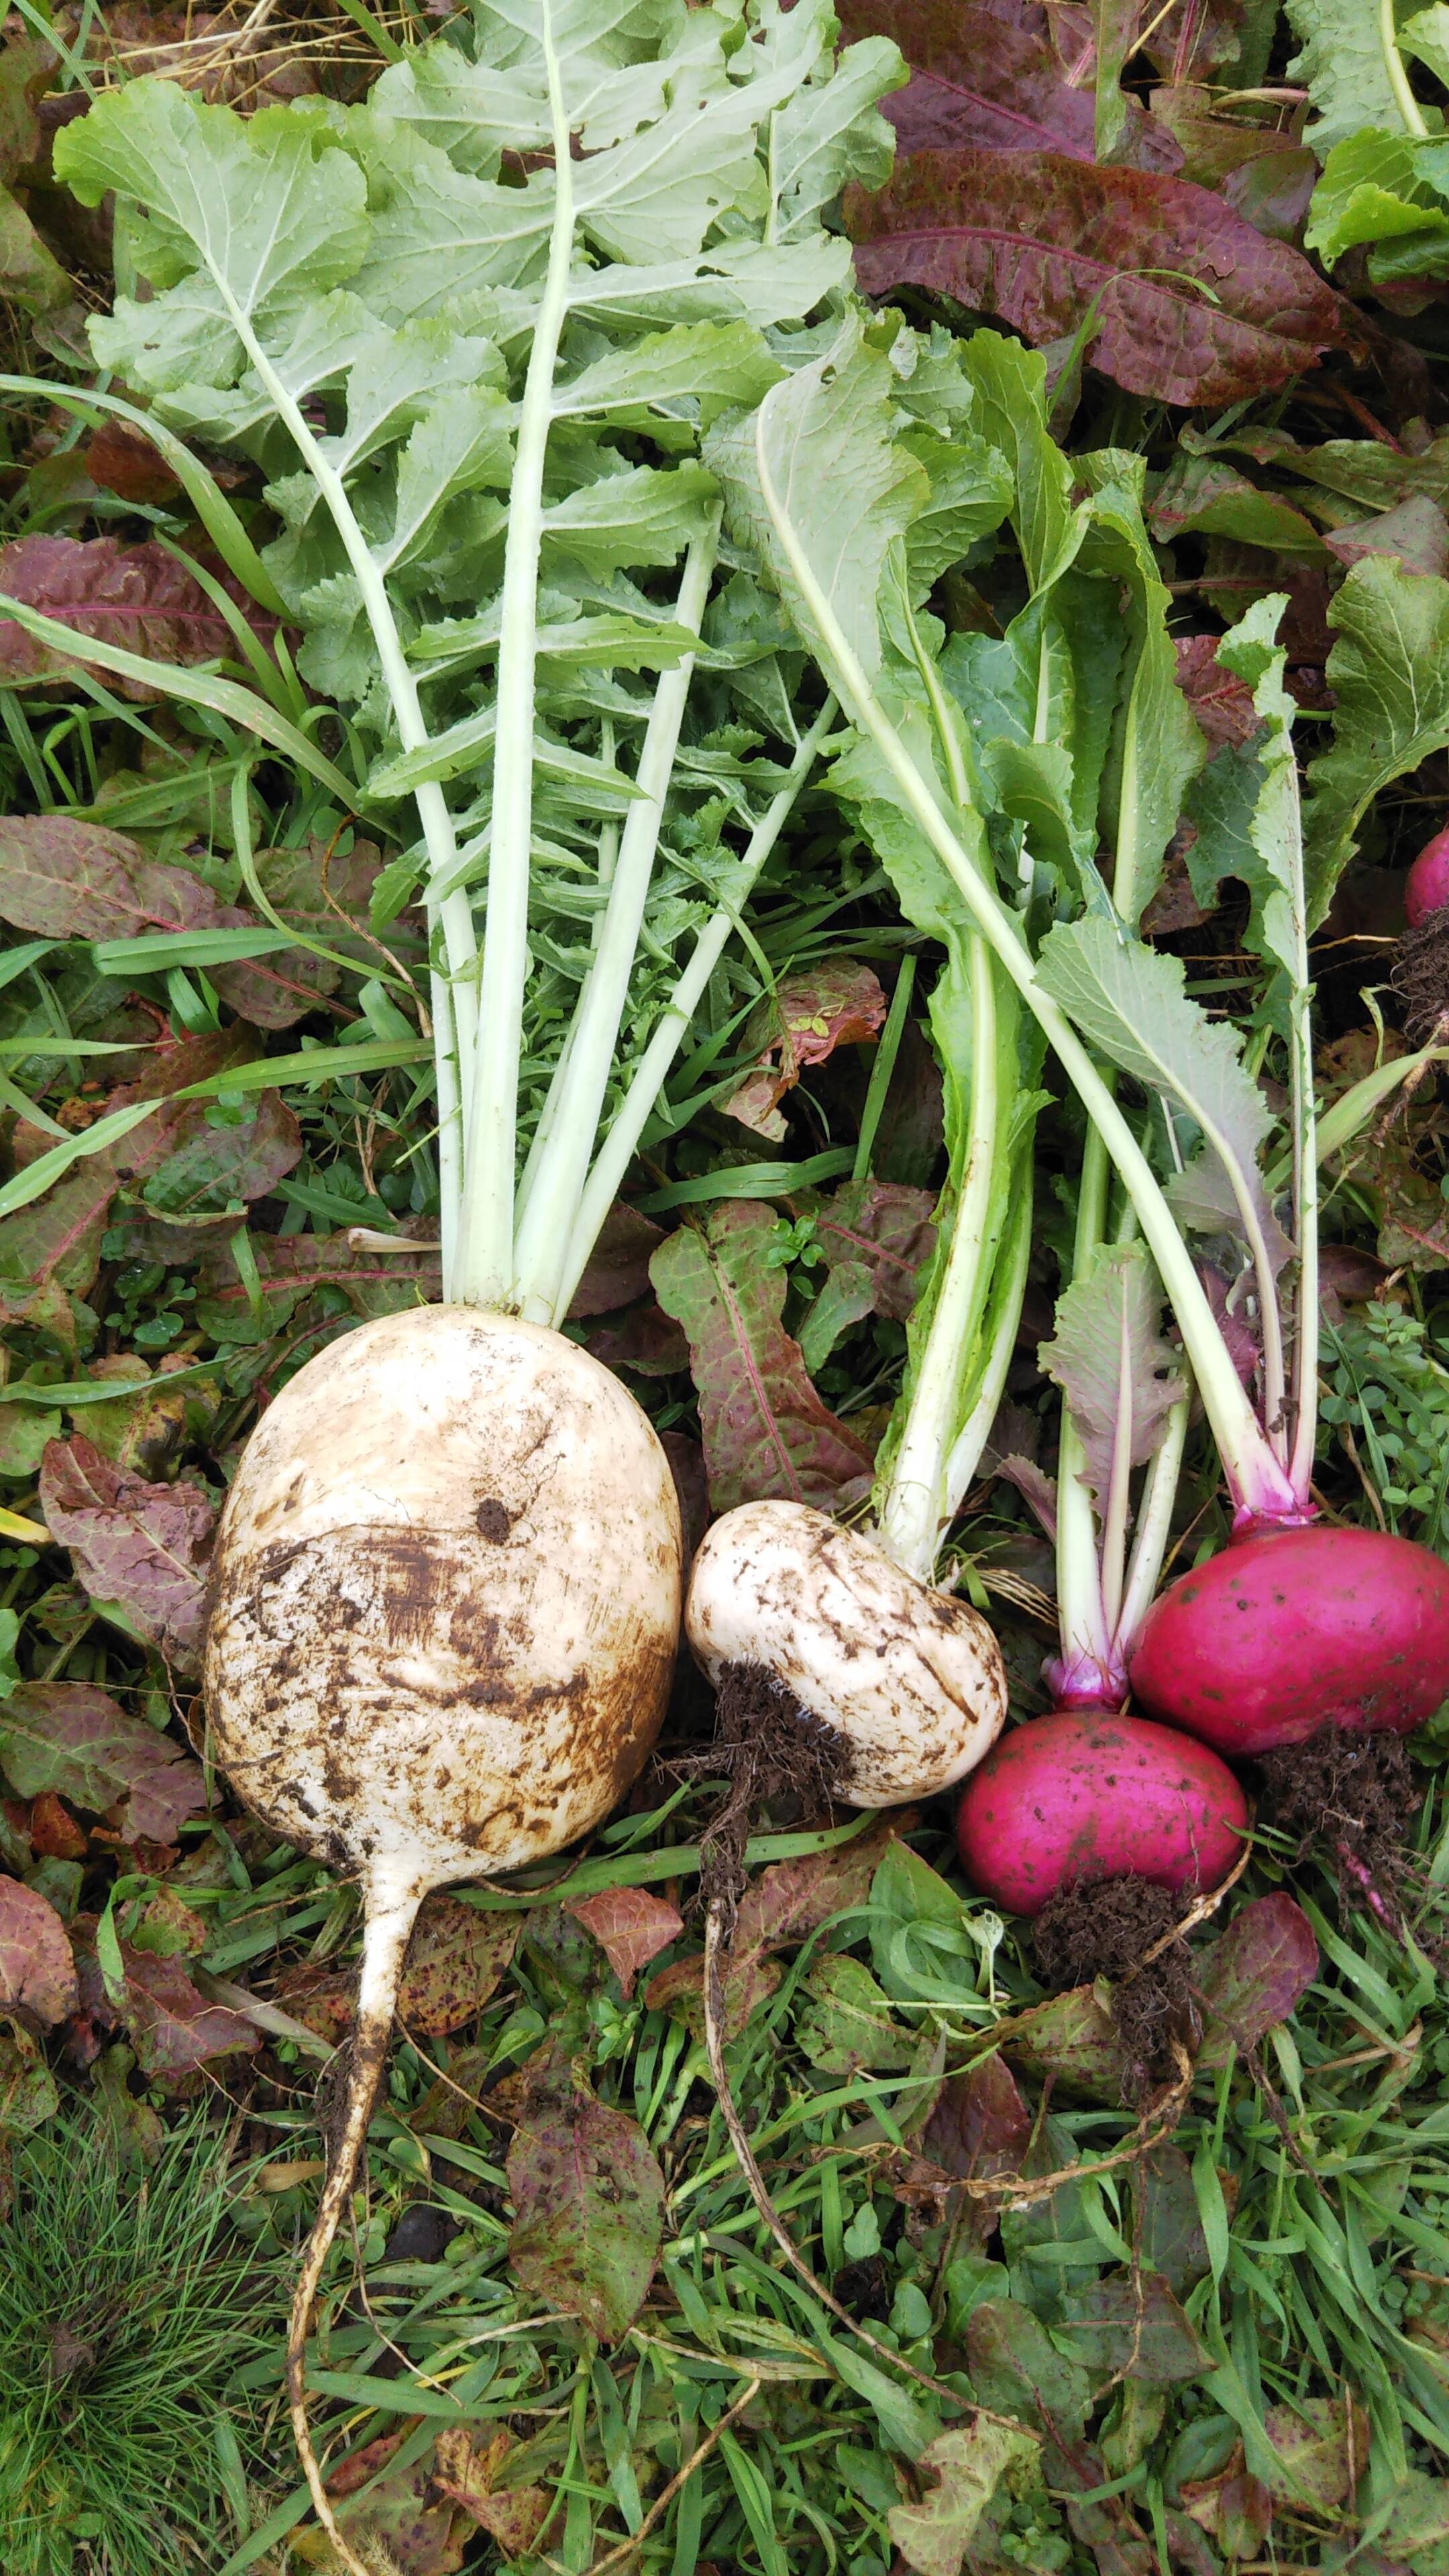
384	1948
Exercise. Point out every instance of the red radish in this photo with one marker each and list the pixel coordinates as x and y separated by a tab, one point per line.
1076	1796
1291	1630
1426	887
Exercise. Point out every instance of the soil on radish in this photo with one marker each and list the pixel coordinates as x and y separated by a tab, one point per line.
1421	978
1351	1797
1104	1928
767	1747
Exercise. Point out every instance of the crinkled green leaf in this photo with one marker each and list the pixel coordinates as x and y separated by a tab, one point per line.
1344	67
1130	1002
824	433
1389	673
1110	1360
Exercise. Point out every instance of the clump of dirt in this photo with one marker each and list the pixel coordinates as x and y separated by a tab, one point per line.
1351	1797
864	2288
1421	979
1104	1928
767	1747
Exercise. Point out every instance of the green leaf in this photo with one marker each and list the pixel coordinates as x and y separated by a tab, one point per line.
717	365
1389	673
1118	1375
241	217
1372	190
1010	383
1130	1002
1277	929
1345	68
1426	37
821	445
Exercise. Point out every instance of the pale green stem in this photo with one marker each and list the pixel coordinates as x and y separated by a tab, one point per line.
1009	1283
1082	1625
1154	1524
1408	105
437	823
486	1251
652	1070
450	1125
548	1211
1255	1474
1306	1195
912	1507
1117	1501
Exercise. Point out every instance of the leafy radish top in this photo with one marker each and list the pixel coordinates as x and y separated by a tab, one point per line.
479	408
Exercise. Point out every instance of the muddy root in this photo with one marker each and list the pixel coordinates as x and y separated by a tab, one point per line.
1420	977
1351	1797
1105	1928
767	1746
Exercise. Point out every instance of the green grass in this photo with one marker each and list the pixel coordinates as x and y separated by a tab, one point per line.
127	2305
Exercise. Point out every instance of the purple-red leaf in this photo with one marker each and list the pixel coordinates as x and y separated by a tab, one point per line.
766	1432
37	1972
884	1230
1192	305
65	879
139	1549
617	1270
1252	1978
785	1904
172	2027
455	1960
138	597
630	1926
980	76
1222	704
836	1003
72	1741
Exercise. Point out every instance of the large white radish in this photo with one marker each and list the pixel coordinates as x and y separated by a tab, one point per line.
908	1680
444	1609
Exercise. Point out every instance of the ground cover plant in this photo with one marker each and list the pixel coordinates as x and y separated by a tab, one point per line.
753	701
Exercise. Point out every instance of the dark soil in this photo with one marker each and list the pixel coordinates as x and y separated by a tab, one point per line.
1351	1797
864	2288
1421	979
1102	1928
768	1747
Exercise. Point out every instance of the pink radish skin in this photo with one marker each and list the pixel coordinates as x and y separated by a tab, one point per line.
1291	1630
1426	888
1078	1796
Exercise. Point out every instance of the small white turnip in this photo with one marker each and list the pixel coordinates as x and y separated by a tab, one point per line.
908	1680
